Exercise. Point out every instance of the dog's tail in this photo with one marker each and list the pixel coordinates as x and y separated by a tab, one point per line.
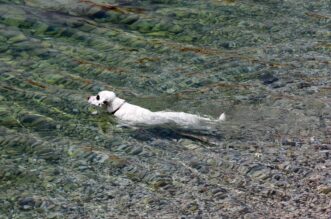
222	117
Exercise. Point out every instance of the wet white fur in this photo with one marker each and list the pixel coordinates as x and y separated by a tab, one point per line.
133	114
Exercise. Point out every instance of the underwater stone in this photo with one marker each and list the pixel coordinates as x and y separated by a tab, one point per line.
278	84
135	150
53	78
96	13
138	43
158	34
135	174
259	172
129	19
48	154
38	122
229	45
268	78
185	37
143	26
113	16
11	15
161	26
3	39
55	215
189	144
17	38
40	28
101	158
160	182
27	203
26	45
220	193
175	29
325	189
6	117
118	162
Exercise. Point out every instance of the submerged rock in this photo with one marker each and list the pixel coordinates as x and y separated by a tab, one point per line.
27	203
268	78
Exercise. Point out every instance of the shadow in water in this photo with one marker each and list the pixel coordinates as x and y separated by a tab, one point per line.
209	135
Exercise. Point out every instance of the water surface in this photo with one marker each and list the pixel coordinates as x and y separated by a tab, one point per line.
265	63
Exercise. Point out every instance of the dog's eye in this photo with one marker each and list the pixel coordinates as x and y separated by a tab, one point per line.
98	97
105	102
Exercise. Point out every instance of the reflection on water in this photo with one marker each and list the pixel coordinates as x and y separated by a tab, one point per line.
265	63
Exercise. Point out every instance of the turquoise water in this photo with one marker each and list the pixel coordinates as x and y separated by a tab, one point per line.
265	63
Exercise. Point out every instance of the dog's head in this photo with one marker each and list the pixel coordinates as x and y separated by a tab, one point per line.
103	98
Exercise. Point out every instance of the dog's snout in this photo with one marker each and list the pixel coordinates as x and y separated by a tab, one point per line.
88	98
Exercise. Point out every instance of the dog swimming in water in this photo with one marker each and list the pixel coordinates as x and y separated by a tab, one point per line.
135	115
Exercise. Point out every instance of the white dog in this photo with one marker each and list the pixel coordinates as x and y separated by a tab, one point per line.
136	115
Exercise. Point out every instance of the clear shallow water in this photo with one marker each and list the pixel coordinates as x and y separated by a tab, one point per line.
265	63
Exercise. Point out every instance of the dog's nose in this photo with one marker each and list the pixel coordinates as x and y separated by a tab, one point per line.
88	97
